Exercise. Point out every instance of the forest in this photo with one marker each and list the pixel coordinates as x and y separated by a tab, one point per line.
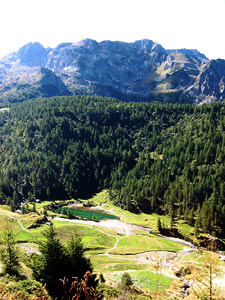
164	158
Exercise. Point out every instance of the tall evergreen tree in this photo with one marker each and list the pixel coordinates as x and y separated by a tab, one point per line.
9	253
49	266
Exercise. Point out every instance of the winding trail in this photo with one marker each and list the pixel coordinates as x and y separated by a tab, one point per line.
167	258
123	228
114	247
21	225
25	247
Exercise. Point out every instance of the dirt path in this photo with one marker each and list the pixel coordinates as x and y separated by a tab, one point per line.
121	227
114	247
25	247
20	224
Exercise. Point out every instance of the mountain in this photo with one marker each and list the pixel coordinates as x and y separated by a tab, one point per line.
142	70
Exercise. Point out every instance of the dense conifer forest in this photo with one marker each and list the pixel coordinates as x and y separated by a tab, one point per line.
164	158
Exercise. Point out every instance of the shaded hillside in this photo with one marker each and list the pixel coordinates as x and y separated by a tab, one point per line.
154	157
142	70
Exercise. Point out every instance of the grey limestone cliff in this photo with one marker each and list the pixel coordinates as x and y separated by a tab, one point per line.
142	70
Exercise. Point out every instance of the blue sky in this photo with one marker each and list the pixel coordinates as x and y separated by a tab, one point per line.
197	24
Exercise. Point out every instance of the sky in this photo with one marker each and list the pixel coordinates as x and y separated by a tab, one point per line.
192	24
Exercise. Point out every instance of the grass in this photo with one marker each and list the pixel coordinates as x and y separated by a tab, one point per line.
5	207
134	244
99	198
142	219
147	220
5	211
34	235
94	240
40	205
148	280
109	264
29	219
185	229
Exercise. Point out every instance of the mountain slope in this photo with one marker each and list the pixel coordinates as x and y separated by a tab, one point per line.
164	158
142	70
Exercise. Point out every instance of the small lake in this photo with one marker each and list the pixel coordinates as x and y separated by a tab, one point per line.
85	213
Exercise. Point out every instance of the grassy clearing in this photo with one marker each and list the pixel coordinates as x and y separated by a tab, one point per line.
5	207
5	211
29	219
21	236
93	239
134	244
107	264
142	219
185	229
39	205
148	280
33	236
99	198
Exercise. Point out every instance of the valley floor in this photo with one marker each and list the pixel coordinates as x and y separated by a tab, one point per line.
117	246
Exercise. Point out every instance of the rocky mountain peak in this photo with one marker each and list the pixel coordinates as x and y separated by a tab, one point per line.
32	54
148	45
141	70
87	43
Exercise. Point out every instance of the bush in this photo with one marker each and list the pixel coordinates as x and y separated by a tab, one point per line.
126	280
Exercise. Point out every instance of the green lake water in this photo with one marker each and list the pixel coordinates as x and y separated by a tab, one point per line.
85	213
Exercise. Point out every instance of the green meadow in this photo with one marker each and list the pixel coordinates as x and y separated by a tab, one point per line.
107	250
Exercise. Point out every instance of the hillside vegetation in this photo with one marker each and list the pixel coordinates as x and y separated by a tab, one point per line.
153	157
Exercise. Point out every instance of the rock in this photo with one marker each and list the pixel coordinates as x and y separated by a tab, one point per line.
51	85
210	83
142	70
32	54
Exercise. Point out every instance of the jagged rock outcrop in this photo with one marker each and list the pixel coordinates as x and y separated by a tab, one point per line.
129	71
209	85
51	85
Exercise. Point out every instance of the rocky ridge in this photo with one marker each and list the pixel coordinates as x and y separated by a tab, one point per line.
142	70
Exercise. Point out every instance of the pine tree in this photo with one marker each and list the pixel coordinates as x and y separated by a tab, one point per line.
9	253
49	266
159	225
57	262
196	227
78	263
